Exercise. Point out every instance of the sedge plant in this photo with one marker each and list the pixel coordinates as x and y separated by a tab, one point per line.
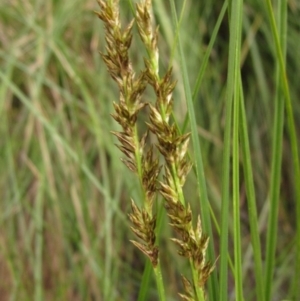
140	157
64	231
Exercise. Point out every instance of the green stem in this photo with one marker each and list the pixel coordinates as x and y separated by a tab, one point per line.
145	281
159	282
236	199
252	209
199	290
276	165
235	30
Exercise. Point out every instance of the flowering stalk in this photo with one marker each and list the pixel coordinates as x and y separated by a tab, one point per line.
173	146
137	158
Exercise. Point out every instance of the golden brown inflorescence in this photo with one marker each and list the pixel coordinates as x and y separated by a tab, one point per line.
171	143
137	158
173	146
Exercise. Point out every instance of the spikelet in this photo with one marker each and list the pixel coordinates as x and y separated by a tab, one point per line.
137	158
191	242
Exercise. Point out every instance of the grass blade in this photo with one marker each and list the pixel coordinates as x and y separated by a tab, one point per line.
236	193
252	210
276	165
293	136
235	30
232	98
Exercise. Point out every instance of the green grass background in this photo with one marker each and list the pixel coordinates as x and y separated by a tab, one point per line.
64	193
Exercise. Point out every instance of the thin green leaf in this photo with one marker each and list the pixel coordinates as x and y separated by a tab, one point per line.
251	201
276	167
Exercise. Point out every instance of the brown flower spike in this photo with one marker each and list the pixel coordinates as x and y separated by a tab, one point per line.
173	146
137	159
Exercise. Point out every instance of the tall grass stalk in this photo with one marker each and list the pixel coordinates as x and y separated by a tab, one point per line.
232	106
252	208
280	45
276	158
235	38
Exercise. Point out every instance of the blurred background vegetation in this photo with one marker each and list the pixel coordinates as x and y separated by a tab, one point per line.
64	193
